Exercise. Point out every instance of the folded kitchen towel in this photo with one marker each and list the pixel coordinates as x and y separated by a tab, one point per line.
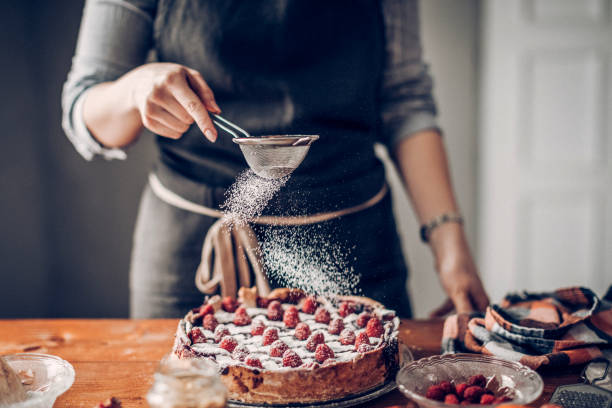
568	326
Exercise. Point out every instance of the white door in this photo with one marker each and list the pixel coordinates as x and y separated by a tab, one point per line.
545	145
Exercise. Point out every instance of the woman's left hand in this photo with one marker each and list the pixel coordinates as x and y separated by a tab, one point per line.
457	271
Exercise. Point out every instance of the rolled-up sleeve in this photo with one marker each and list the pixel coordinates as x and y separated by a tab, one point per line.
115	37
406	100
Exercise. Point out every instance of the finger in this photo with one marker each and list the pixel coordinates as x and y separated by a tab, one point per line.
162	97
158	128
192	104
443	309
161	115
200	86
462	303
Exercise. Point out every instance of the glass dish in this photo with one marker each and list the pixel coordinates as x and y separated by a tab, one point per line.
413	379
52	377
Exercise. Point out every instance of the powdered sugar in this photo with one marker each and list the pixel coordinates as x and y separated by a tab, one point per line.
249	195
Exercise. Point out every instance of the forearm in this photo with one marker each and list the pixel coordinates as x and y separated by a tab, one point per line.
110	115
421	160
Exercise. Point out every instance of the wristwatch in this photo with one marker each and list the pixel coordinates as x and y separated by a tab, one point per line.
425	230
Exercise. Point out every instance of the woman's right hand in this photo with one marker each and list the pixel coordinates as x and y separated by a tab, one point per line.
170	97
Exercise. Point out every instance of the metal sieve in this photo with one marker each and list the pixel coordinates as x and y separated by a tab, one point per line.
270	157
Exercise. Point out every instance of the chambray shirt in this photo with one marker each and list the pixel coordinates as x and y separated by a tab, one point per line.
116	36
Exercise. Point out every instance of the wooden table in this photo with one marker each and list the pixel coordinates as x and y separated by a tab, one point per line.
118	357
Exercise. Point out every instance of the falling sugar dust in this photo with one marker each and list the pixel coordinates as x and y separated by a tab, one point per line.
304	257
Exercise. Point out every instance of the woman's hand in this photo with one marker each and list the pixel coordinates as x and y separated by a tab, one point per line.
170	97
457	271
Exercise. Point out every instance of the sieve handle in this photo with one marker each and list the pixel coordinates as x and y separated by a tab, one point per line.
229	127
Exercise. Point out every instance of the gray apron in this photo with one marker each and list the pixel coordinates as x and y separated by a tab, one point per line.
276	67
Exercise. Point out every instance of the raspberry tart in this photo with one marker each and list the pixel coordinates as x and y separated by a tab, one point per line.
289	347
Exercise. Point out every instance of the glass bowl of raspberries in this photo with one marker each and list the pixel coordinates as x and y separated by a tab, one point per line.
473	380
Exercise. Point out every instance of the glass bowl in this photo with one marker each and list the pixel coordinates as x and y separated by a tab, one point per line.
52	377
414	378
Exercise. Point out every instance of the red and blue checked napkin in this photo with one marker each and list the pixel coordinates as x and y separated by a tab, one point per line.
565	327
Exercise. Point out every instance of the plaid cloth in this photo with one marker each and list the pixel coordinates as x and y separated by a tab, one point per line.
565	327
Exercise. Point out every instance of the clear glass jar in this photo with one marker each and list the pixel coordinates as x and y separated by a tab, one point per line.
187	383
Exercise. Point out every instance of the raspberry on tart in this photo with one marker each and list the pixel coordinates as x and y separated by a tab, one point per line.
291	317
275	311
207	309
322	315
346	308
374	327
228	343
253	362
336	326
229	305
197	336
363	319
210	322
302	331
291	359
257	327
347	337
220	332
323	352
362	338
315	338
241	318
240	353
310	305
278	348
270	335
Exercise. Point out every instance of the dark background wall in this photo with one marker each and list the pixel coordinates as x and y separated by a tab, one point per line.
66	223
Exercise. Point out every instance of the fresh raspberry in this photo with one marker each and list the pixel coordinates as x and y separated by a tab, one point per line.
323	352
502	398
435	392
291	359
220	332
310	305
263	302
209	322
229	305
291	317
253	362
487	399
362	319
278	348
241	318
460	388
479	380
270	335
473	393
228	343
197	336
207	309
448	387
302	331
257	327
240	353
362	338
322	315
315	339
364	348
346	308
451	399
347	337
374	327
275	311
336	326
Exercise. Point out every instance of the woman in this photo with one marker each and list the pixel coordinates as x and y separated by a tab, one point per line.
350	71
